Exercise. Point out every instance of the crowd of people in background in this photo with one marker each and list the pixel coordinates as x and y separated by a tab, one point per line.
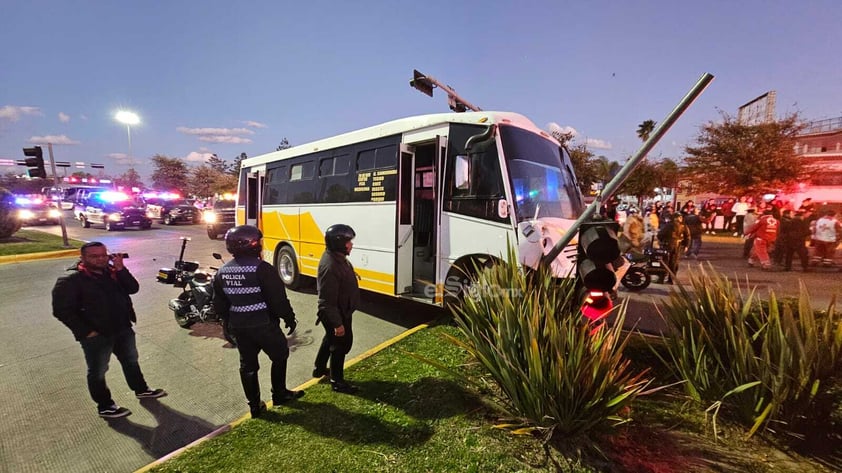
773	231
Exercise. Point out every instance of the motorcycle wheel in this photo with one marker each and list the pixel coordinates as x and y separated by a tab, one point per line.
184	321
636	279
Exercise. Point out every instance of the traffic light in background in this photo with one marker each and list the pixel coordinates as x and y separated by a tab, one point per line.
35	162
597	249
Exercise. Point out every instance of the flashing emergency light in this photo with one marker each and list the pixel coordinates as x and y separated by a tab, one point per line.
111	196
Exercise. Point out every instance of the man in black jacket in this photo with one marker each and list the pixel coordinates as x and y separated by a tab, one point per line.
339	295
94	303
251	299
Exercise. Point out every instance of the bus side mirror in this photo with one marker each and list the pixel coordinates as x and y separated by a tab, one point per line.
502	208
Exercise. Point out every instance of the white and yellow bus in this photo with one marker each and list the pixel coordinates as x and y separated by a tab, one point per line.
428	196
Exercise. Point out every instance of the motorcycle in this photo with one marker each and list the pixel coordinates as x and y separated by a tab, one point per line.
643	266
195	303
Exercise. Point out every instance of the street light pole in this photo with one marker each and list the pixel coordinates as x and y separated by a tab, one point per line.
128	118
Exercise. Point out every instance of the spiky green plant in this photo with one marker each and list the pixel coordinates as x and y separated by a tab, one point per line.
556	372
764	361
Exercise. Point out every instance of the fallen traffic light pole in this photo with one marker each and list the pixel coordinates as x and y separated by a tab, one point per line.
632	163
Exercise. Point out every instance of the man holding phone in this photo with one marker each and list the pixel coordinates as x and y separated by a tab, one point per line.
94	302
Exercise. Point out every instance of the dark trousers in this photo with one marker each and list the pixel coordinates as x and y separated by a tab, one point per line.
740	227
800	250
98	352
747	247
334	349
272	341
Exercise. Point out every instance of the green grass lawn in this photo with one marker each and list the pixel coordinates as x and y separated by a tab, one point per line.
411	417
34	241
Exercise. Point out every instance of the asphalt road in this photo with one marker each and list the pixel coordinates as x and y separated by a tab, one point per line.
48	422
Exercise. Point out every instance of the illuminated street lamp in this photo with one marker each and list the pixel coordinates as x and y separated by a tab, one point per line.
128	118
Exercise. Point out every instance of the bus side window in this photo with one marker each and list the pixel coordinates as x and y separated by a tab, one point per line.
462	173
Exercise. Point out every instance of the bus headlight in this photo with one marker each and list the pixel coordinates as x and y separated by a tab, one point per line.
210	217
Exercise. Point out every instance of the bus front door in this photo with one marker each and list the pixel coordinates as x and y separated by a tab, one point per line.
404	234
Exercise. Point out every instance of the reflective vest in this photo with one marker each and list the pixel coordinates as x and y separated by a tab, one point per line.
242	287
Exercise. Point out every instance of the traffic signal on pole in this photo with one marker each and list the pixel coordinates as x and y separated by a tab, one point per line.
597	249
35	162
421	83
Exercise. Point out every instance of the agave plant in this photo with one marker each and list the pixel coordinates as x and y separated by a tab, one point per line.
763	360
556	372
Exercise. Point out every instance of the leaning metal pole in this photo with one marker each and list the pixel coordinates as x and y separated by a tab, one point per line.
632	163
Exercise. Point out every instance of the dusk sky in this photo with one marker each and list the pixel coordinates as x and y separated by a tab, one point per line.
230	77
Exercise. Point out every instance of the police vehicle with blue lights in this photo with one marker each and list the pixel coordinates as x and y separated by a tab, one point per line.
114	210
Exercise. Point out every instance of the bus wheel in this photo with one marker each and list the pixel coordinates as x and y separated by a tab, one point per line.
288	268
460	281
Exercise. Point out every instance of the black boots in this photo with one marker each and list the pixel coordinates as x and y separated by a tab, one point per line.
251	388
343	387
280	394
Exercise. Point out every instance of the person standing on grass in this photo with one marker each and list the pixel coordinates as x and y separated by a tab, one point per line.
251	299
728	214
339	295
740	209
94	302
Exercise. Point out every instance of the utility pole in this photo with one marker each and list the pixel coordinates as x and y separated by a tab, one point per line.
425	84
55	183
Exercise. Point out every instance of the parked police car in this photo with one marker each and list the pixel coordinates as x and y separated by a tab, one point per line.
114	210
172	210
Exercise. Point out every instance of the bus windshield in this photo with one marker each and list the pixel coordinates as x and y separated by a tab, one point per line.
542	184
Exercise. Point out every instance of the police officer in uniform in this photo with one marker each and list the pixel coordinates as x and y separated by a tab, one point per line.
251	299
339	295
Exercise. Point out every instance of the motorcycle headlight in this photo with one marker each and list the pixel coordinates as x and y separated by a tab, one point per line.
115	217
210	217
25	214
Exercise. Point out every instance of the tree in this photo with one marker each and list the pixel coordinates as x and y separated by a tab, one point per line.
581	158
218	164
734	158
284	145
645	129
207	182
129	179
9	221
238	162
169	173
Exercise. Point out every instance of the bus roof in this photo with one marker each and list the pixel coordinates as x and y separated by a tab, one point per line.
394	127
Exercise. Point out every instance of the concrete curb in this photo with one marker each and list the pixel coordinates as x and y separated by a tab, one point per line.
312	382
39	256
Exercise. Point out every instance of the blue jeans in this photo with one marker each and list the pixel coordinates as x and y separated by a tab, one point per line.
695	246
98	352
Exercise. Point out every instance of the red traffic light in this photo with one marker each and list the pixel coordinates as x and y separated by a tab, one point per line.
596	305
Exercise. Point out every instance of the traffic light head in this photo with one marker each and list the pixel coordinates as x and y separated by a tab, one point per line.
35	162
421	83
597	249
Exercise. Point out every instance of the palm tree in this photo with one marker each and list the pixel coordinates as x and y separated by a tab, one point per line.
645	129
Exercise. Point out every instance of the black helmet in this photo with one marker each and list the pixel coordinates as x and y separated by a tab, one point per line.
337	235
243	240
